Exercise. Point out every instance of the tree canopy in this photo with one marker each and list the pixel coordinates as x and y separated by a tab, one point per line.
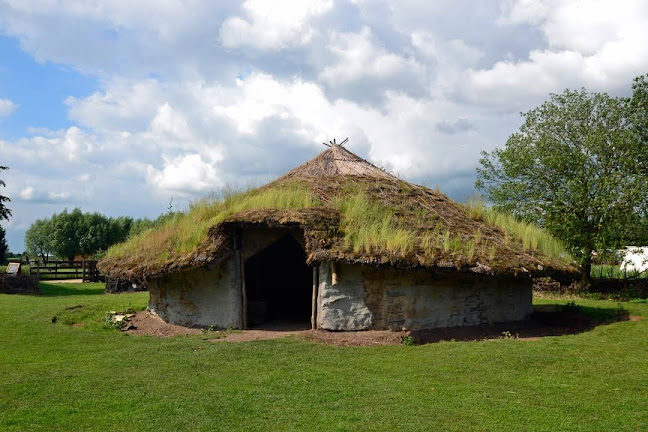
5	213
639	108
4	248
37	239
70	234
577	167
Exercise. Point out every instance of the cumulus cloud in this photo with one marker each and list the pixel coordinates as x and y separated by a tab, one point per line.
596	44
192	94
523	11
121	106
27	193
273	25
174	38
7	107
365	71
40	196
188	173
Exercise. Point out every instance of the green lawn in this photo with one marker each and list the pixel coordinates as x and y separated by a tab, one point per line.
61	377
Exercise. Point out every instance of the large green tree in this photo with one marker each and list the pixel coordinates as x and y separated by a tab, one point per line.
65	230
5	213
639	109
577	167
4	248
37	239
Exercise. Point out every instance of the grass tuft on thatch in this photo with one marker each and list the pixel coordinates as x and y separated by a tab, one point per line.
370	227
183	232
531	237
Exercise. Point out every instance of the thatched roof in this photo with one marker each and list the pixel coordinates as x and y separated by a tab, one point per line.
355	213
337	161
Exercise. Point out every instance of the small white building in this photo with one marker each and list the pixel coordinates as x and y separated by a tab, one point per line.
634	258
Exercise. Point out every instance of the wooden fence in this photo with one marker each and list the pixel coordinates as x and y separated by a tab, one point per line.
60	269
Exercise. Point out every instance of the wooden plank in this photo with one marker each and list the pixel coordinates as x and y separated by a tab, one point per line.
334	274
243	290
314	299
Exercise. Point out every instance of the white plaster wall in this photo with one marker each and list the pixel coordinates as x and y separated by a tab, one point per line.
341	302
448	302
384	298
199	297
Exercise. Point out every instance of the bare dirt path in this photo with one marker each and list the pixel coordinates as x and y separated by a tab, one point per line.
542	324
144	323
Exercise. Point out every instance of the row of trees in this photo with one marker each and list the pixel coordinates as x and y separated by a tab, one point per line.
71	234
578	167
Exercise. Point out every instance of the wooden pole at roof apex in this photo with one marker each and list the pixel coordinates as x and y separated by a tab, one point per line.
333	143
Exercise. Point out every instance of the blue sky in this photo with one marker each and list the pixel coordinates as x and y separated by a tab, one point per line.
119	106
38	88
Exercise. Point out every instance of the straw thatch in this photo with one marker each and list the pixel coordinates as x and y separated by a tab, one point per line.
337	161
441	234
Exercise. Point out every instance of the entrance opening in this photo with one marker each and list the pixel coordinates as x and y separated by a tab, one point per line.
278	283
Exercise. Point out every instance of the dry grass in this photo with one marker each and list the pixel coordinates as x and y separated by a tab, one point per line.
530	236
370	227
182	233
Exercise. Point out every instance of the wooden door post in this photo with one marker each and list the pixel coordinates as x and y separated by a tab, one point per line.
314	299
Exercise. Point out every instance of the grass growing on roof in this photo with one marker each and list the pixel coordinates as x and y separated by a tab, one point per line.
530	236
376	218
371	227
183	232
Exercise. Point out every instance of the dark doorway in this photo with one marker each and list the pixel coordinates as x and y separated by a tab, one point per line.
278	283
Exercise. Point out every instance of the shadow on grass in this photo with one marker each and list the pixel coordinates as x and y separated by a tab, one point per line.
58	290
546	320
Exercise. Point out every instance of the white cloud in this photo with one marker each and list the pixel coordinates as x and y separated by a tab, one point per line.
209	135
189	173
123	105
108	38
364	71
523	11
273	25
597	44
40	196
27	193
448	58
193	94
7	107
170	123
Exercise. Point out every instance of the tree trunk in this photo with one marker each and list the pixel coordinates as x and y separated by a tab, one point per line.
586	270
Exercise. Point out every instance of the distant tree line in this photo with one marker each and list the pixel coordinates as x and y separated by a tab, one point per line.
72	234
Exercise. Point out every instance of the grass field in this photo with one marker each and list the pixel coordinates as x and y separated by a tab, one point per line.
58	377
615	272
